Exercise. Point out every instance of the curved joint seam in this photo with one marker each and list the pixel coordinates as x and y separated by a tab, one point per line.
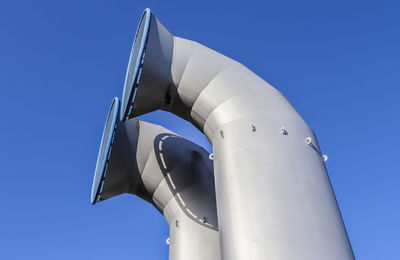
186	63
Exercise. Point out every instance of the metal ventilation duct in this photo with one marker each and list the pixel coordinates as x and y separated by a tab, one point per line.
170	172
274	197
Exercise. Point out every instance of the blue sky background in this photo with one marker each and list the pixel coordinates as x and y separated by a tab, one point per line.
62	62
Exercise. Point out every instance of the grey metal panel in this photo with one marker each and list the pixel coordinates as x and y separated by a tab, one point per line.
274	197
201	67
189	240
145	142
185	50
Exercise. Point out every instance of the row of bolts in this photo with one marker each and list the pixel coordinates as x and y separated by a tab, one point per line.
284	132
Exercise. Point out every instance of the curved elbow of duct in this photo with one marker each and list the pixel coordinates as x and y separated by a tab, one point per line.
170	172
196	83
157	165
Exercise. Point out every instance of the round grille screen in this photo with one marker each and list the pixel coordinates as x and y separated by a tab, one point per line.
104	151
135	64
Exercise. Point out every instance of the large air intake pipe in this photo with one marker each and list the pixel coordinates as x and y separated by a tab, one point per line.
274	197
170	172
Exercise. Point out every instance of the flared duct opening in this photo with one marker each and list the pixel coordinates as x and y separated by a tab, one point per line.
149	69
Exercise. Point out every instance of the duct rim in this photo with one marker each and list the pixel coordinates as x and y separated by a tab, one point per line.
104	151
135	64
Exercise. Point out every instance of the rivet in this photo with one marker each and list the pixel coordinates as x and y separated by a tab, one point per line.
283	131
211	156
308	140
167	241
253	128
325	158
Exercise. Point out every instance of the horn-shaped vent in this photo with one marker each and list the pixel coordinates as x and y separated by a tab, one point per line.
116	170
149	67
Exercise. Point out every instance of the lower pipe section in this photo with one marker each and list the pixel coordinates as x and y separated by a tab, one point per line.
170	172
188	239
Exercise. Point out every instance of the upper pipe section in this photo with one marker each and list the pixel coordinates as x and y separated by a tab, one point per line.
190	80
274	197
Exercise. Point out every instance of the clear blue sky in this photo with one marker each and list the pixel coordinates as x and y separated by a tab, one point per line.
62	62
